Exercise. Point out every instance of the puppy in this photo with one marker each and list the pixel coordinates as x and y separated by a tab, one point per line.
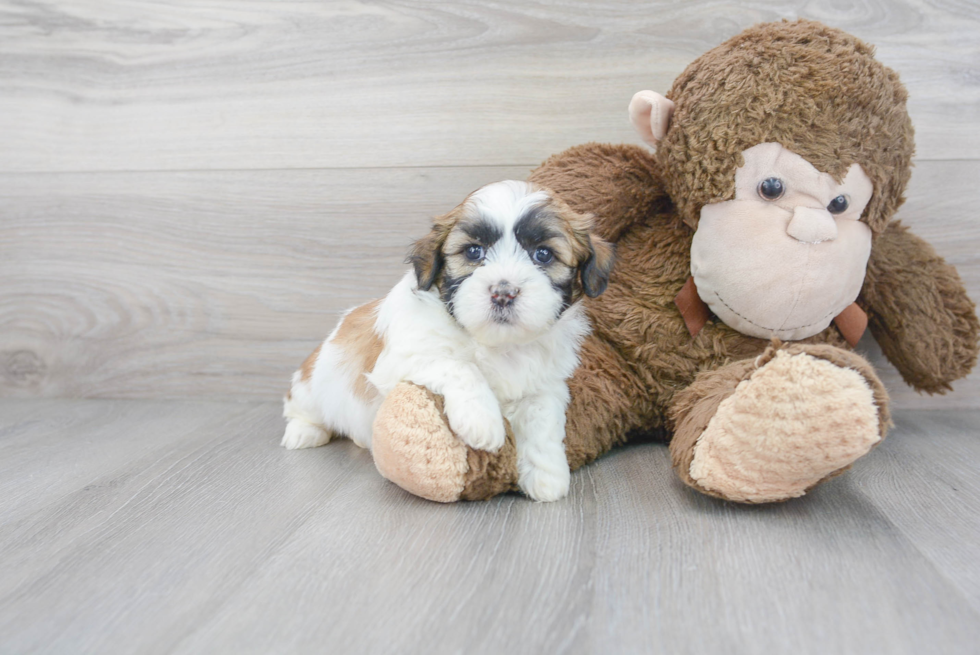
489	318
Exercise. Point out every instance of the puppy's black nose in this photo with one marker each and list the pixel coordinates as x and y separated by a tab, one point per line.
502	294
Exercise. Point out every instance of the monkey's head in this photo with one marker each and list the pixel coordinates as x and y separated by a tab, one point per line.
787	149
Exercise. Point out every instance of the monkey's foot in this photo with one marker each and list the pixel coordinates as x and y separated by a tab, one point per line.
770	429
414	447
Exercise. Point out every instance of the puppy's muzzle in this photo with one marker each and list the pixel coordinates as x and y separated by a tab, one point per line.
503	294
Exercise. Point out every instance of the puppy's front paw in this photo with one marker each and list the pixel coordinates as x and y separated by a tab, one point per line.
545	483
543	471
300	434
478	424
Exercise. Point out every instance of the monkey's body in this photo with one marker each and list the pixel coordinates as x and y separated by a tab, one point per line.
747	419
641	366
638	315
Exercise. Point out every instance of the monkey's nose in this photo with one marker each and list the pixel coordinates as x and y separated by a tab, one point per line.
812	225
502	294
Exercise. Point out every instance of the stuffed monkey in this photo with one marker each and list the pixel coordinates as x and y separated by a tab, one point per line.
754	246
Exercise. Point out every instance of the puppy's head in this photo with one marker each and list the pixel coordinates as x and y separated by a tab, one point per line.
510	260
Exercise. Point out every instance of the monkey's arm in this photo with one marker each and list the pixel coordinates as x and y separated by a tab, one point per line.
919	312
619	184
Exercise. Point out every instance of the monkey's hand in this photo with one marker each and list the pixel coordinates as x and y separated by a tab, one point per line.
919	312
618	184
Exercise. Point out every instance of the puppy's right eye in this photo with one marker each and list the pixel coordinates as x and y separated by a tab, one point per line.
474	253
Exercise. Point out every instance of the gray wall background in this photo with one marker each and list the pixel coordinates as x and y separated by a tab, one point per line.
190	193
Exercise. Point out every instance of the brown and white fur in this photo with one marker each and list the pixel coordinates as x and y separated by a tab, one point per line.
489	318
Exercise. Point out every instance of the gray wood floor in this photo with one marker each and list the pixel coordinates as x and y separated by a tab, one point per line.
178	526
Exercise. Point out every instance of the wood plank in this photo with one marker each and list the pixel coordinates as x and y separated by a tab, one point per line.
79	446
134	557
226	543
217	284
190	284
925	482
504	576
130	85
826	573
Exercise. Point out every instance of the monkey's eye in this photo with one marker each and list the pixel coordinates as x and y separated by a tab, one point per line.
474	253
771	188
543	255
838	205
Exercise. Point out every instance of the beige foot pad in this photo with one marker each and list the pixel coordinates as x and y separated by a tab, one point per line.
795	421
414	448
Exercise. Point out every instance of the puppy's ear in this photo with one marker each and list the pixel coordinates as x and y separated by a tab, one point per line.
426	256
597	268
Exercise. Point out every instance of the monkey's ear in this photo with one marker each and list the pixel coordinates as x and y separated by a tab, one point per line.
598	267
426	256
650	114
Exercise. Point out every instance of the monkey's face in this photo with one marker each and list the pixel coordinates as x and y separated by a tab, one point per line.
789	253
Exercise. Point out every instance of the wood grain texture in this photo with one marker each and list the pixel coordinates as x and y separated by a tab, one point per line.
218	284
934	498
188	284
135	85
184	528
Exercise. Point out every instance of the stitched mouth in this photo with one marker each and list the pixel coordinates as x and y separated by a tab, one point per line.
771	329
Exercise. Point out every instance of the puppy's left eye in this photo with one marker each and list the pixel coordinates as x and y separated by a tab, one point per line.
474	253
543	255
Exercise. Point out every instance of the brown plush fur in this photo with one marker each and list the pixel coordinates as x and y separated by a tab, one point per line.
918	312
641	353
696	405
818	92
918	308
650	353
414	447
491	474
694	408
619	185
813	89
487	474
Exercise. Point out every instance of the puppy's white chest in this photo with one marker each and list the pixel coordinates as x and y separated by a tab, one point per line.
520	371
